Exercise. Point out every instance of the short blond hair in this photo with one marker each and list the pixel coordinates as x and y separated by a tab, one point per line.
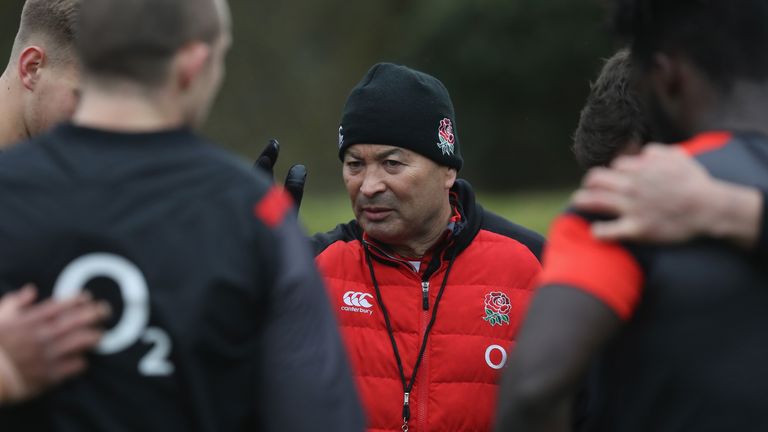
54	21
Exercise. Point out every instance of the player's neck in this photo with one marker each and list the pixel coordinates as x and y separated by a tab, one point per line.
742	110
122	111
12	128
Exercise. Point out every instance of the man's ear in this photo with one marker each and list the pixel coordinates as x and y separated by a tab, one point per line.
682	91
667	78
31	60
191	61
450	177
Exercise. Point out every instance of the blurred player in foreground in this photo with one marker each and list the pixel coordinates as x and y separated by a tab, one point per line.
221	320
651	314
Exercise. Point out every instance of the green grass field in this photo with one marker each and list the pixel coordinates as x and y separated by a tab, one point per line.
534	210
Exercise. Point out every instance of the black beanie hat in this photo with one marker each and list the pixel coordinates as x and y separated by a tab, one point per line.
398	106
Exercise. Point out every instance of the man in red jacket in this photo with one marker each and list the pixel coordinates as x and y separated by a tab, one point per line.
428	287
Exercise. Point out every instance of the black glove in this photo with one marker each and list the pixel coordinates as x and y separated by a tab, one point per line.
294	180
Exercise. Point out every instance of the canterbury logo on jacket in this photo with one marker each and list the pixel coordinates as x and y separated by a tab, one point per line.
488	267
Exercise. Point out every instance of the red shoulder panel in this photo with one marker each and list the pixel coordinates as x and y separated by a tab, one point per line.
573	257
273	207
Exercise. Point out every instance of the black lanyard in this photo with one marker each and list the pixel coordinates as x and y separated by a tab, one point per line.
407	387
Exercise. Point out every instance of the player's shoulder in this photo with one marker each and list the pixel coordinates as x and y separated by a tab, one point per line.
23	150
714	146
574	226
236	170
732	156
572	220
21	158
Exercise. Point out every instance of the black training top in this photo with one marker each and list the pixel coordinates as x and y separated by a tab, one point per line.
692	355
221	320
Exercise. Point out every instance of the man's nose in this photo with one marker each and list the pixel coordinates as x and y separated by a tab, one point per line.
373	183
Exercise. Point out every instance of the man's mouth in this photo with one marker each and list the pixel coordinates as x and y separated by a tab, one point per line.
375	214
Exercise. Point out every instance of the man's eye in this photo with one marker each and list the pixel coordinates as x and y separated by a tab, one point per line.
392	163
354	164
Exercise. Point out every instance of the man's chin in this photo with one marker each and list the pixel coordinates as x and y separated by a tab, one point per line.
379	231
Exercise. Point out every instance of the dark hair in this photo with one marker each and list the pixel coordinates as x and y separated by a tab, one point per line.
53	19
134	40
726	39
613	116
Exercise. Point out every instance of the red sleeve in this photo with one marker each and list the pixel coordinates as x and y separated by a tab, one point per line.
574	258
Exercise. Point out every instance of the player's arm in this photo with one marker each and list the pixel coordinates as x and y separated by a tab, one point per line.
662	196
305	380
563	330
735	213
588	288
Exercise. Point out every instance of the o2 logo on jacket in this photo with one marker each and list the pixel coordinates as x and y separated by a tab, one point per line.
132	325
495	357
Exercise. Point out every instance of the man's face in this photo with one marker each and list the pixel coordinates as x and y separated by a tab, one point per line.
397	195
54	97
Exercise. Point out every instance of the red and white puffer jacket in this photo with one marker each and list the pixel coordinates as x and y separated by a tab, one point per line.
489	268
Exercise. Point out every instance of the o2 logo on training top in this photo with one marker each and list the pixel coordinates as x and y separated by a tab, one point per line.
357	302
133	322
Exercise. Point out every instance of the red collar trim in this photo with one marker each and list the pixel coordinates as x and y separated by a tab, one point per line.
706	142
456	217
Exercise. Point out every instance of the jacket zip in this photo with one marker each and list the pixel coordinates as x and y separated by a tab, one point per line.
423	400
425	321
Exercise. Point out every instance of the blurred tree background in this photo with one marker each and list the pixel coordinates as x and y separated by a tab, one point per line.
518	72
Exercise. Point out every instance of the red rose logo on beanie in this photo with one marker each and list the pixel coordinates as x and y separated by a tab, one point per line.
497	307
445	134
